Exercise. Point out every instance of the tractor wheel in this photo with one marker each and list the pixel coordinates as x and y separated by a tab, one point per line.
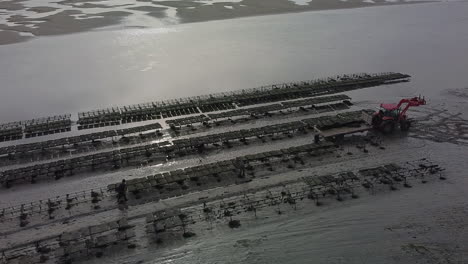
405	125
388	127
376	121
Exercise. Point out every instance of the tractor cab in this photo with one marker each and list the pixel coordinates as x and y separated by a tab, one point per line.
389	111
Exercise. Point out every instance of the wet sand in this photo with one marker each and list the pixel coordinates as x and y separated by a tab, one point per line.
218	11
10	37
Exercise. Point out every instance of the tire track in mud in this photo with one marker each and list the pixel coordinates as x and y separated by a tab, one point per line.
439	125
429	245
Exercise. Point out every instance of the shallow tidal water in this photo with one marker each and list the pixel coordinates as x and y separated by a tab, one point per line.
92	70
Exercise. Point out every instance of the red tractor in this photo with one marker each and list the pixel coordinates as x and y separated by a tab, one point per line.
392	115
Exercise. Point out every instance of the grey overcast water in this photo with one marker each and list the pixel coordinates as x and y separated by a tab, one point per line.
92	70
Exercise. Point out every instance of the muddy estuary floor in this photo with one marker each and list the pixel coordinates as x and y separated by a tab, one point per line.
368	197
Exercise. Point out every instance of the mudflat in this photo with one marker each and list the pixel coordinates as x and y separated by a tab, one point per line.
21	20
